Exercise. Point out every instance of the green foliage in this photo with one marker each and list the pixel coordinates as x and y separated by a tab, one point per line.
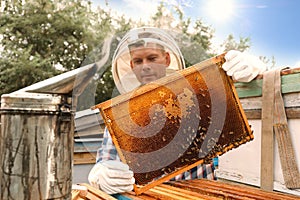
39	36
18	68
231	44
194	40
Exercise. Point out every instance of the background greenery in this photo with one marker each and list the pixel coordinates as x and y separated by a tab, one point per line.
43	38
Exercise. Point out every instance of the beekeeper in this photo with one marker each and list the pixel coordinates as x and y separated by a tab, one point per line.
144	55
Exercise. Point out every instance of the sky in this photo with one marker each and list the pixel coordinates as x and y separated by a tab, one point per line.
273	26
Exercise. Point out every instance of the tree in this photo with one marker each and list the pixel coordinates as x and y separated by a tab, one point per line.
41	39
194	39
244	44
102	87
231	44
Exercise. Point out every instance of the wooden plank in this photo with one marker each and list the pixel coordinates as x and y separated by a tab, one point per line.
267	136
194	189
172	194
84	158
79	192
96	193
75	194
289	79
187	194
292	113
208	189
286	150
251	89
252	106
140	189
287	156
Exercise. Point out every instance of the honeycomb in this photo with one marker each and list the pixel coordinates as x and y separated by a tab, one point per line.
167	125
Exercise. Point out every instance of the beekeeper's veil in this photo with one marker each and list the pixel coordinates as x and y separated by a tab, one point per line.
123	75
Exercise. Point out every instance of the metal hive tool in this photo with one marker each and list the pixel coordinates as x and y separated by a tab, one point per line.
169	126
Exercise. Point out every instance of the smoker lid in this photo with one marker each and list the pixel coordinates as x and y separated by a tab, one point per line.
30	102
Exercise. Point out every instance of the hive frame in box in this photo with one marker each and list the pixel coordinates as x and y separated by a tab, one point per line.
202	97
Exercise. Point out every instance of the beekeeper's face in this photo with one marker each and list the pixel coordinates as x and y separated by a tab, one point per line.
149	62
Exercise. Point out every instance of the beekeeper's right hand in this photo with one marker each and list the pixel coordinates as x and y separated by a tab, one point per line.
242	66
111	177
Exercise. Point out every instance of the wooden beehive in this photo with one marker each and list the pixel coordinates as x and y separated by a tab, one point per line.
169	126
245	164
200	189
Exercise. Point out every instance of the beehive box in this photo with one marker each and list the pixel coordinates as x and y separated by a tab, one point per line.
169	126
200	189
244	164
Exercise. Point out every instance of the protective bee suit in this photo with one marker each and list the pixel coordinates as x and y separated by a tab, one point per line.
109	174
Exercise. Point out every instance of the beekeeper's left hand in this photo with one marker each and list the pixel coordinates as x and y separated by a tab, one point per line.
242	66
112	177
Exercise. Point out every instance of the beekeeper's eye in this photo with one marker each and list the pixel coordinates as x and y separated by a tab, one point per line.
137	62
152	58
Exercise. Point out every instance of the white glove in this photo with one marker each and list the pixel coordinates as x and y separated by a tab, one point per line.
112	177
243	67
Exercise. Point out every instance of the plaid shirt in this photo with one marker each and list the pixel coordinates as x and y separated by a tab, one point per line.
109	152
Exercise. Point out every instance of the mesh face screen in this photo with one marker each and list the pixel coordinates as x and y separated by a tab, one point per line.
181	119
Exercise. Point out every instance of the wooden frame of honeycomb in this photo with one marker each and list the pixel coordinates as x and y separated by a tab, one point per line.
169	126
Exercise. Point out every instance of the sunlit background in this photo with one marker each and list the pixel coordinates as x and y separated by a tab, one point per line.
272	26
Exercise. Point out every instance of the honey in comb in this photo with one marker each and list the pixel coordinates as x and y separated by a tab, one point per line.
179	120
